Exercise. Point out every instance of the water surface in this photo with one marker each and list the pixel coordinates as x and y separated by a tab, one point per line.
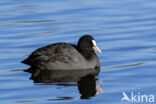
124	30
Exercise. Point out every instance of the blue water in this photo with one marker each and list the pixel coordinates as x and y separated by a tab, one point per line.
125	30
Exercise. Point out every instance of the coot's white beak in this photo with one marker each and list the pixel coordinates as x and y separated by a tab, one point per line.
95	47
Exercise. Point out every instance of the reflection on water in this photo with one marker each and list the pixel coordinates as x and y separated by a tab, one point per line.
87	86
85	79
52	76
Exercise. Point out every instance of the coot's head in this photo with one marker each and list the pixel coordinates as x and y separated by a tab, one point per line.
88	44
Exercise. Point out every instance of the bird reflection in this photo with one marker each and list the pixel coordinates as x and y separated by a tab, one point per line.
85	79
87	86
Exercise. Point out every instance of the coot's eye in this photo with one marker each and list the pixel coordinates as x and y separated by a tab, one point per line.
90	44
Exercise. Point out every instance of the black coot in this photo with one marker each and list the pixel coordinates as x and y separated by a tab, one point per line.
66	56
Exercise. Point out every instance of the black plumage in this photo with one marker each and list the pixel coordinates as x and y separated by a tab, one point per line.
66	56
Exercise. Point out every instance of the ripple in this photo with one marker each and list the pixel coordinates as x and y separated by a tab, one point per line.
37	21
131	65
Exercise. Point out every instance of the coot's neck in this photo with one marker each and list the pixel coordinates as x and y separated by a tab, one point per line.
88	54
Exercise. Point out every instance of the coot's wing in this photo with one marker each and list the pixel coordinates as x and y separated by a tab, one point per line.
59	52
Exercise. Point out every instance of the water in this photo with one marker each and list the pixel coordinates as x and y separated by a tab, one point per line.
124	30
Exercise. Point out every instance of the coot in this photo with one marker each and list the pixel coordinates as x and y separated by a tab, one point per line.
66	56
